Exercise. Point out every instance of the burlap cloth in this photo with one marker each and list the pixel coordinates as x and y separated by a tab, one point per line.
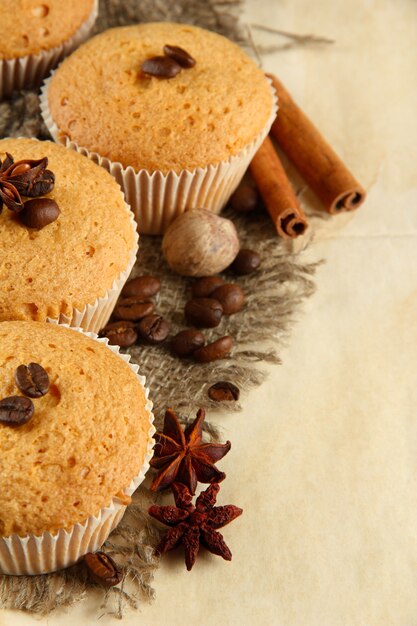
273	297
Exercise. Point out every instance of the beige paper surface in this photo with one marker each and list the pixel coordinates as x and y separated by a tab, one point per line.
324	455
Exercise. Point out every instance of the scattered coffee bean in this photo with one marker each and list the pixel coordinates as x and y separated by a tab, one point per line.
32	380
102	569
38	213
16	410
246	262
161	67
187	342
213	351
204	312
179	55
223	391
204	287
153	329
120	333
133	309
245	199
231	297
141	287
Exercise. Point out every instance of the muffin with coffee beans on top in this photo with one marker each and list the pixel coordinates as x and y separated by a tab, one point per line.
173	111
75	438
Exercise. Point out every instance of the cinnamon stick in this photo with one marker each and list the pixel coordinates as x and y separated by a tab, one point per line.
316	161
279	198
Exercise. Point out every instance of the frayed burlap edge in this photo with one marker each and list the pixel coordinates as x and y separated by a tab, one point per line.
261	329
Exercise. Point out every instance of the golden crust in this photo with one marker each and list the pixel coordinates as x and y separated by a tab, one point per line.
87	439
74	260
100	99
30	26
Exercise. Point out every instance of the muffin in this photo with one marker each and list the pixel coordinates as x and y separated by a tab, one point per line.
173	144
35	35
67	474
73	269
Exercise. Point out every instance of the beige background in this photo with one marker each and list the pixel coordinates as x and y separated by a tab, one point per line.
324	457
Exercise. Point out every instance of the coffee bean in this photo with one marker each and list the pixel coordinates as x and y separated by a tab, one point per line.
213	351
245	199
153	329
16	410
120	333
223	391
32	380
231	297
204	287
204	312
179	55
102	569
38	213
246	262
133	309
187	342
162	67
141	287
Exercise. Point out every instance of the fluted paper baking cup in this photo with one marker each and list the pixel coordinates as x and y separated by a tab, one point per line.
95	315
28	71
156	198
39	554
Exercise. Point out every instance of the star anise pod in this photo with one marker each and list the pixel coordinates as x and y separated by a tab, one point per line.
181	456
27	177
197	525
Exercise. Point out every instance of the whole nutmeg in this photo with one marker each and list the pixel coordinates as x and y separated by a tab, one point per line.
200	243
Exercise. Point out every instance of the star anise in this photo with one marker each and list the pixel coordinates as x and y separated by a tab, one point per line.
181	456
195	525
27	177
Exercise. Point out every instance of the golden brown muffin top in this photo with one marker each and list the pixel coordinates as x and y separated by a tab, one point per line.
100	98
73	261
87	438
30	26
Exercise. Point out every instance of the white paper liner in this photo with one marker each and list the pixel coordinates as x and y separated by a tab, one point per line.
156	198
44	553
93	317
28	71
